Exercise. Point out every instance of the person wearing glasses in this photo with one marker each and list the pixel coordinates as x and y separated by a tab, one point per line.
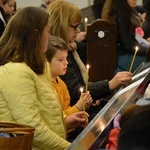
66	25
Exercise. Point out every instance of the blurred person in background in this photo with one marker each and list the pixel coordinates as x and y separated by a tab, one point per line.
9	8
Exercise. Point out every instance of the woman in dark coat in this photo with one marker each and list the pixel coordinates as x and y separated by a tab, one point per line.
66	26
122	13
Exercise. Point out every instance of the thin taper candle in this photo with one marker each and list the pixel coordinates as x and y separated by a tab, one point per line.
136	49
87	77
83	102
85	24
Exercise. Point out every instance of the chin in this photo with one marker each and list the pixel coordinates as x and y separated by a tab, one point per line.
63	73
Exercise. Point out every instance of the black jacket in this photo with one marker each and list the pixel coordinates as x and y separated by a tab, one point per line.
126	41
74	81
2	26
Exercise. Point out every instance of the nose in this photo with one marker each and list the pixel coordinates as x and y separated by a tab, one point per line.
66	62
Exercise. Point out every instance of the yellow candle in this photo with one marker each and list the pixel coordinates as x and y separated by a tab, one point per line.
85	24
87	77
83	103
136	49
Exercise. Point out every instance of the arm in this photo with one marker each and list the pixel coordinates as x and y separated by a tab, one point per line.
65	99
99	89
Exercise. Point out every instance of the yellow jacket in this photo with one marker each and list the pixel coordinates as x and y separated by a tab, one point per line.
64	97
29	99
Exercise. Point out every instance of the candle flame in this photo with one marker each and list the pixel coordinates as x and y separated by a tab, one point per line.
87	67
136	48
81	89
86	20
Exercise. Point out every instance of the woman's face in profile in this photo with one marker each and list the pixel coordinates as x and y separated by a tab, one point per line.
132	3
74	29
9	7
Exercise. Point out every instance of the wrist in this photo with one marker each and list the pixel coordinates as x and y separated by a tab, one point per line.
78	107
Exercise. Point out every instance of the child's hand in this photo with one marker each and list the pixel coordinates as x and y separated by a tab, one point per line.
85	99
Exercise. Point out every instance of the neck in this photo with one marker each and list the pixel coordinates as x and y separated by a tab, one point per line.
53	76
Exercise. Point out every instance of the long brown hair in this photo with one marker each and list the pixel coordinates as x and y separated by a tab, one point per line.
116	9
21	39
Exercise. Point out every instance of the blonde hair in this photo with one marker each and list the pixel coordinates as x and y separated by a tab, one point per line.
62	15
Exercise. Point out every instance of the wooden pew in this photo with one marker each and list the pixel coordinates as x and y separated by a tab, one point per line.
101	50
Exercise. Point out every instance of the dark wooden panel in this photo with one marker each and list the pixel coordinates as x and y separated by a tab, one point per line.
92	12
101	51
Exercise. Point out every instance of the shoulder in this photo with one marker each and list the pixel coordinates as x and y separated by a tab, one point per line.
17	72
15	68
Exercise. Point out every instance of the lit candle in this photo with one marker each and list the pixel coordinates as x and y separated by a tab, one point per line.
83	103
136	49
85	24
87	77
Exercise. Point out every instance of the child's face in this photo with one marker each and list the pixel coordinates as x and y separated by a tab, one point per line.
59	63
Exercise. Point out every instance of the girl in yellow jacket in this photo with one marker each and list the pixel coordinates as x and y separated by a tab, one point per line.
26	91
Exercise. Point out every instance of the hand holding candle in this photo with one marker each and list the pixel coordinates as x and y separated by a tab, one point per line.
136	49
87	77
85	24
